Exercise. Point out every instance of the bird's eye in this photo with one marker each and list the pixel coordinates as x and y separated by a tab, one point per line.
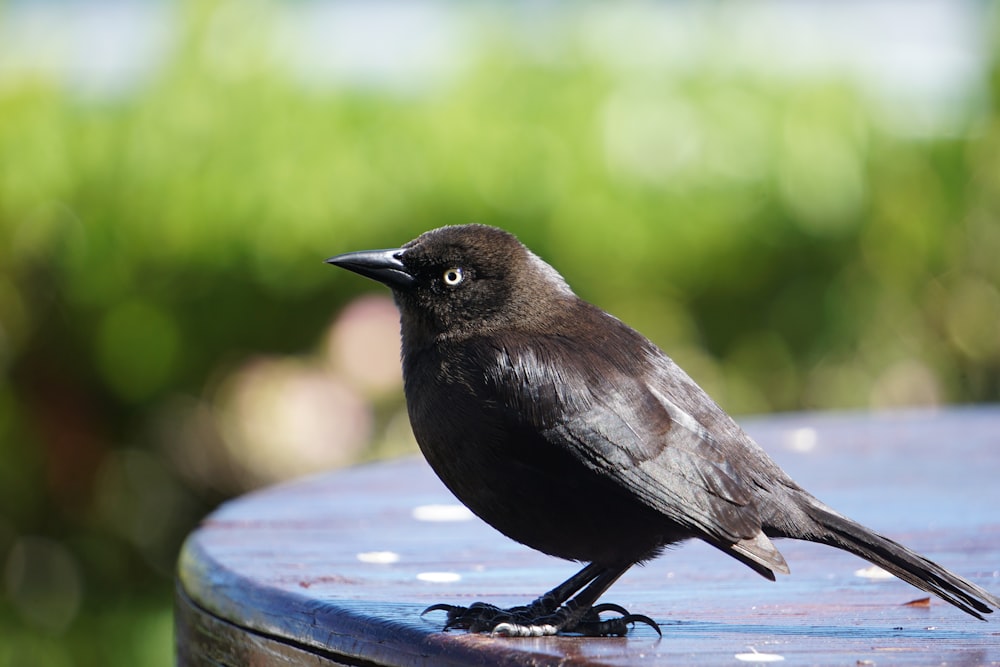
453	277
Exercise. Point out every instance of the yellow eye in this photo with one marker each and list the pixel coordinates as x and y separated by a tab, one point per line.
453	276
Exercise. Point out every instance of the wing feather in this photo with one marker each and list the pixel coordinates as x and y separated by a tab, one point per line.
625	424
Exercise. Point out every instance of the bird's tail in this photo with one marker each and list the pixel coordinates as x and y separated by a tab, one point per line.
839	531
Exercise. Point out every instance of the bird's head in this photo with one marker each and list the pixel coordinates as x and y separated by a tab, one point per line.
462	279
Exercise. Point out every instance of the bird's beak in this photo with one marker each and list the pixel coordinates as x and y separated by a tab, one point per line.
381	265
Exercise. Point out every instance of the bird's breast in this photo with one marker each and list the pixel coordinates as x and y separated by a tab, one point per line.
510	473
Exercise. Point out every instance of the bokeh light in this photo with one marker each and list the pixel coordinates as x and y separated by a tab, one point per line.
363	344
44	583
282	419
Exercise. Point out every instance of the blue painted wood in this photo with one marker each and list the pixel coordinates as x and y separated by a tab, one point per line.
339	567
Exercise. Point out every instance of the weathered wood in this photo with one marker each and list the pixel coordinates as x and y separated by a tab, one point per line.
335	569
205	639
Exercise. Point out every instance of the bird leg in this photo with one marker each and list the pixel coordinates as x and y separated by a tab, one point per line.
483	617
552	613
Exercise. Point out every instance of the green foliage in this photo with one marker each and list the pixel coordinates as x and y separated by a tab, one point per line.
776	240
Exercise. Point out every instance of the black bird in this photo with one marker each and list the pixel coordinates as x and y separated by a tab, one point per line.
570	432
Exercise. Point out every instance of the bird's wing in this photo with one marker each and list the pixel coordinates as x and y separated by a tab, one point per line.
631	425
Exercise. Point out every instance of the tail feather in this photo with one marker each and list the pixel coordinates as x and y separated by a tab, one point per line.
843	533
757	552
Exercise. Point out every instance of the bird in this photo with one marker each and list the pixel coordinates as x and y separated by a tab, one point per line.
572	433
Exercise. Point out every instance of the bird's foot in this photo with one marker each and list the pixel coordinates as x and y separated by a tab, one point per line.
591	625
483	617
538	620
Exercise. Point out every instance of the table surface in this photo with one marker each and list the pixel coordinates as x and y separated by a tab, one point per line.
336	568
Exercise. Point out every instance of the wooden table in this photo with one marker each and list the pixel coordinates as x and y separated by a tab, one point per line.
335	569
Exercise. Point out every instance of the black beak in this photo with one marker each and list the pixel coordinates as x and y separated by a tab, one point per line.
381	265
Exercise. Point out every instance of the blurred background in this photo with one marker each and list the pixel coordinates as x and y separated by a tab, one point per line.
797	200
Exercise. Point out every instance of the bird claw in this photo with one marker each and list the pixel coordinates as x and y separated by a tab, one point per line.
477	617
526	621
614	627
